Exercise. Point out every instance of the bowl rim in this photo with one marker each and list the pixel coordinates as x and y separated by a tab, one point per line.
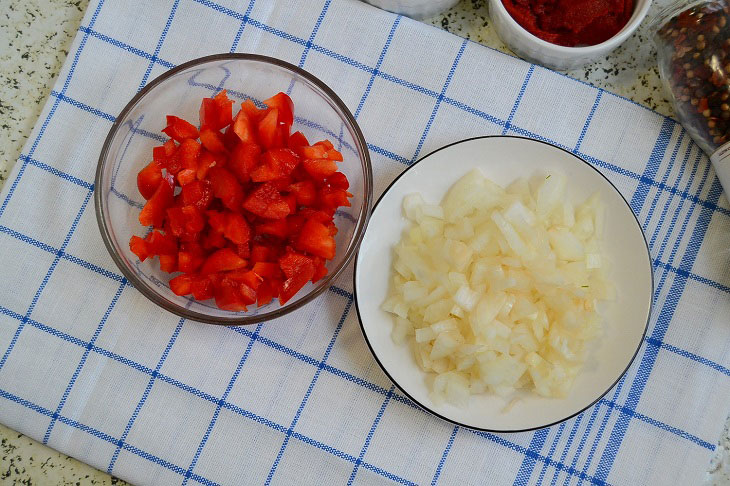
529	429
636	19
362	219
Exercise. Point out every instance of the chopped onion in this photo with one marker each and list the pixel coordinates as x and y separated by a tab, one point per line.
497	289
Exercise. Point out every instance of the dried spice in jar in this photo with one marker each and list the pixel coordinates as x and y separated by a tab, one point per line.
693	47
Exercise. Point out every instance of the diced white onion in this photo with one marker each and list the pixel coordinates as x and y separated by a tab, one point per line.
495	290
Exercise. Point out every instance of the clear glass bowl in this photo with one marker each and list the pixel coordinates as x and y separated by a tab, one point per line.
319	114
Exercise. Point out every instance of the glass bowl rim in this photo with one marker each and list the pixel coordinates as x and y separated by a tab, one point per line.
355	241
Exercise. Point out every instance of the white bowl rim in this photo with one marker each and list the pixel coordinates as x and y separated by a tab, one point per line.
636	18
456	422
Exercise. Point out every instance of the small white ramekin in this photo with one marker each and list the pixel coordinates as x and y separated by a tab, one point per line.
553	56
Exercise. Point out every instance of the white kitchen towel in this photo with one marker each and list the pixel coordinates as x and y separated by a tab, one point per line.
90	367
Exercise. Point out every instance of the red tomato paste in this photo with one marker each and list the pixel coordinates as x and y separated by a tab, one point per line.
571	22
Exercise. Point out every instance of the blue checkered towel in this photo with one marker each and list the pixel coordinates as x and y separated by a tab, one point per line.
90	367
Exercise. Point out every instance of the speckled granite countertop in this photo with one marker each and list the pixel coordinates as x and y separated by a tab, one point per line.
39	33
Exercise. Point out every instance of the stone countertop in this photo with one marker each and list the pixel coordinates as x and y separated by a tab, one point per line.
39	33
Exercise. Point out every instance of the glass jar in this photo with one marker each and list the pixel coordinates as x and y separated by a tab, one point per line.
693	49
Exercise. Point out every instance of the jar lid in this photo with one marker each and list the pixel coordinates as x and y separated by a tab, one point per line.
678	6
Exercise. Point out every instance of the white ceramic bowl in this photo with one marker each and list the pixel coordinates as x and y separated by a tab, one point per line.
504	159
553	56
417	9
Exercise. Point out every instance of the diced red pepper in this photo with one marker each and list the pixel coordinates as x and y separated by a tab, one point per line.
305	192
176	220
255	176
245	157
313	152
296	141
201	288
248	277
186	176
315	238
221	261
226	187
153	212
168	263
248	295
160	244
198	193
320	168
206	161
338	180
212	140
179	129
261	253
181	285
161	153
236	228
285	106
252	111
334	198
148	179
138	246
320	271
194	221
265	201
189	261
217	220
228	296
267	269
216	113
213	239
299	270
277	227
243	127
269	136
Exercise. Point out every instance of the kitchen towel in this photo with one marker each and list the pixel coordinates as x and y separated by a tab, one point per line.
90	367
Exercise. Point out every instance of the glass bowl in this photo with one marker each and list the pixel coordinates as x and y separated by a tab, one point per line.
319	114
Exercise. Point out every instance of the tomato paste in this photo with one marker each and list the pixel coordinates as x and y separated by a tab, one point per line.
571	23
